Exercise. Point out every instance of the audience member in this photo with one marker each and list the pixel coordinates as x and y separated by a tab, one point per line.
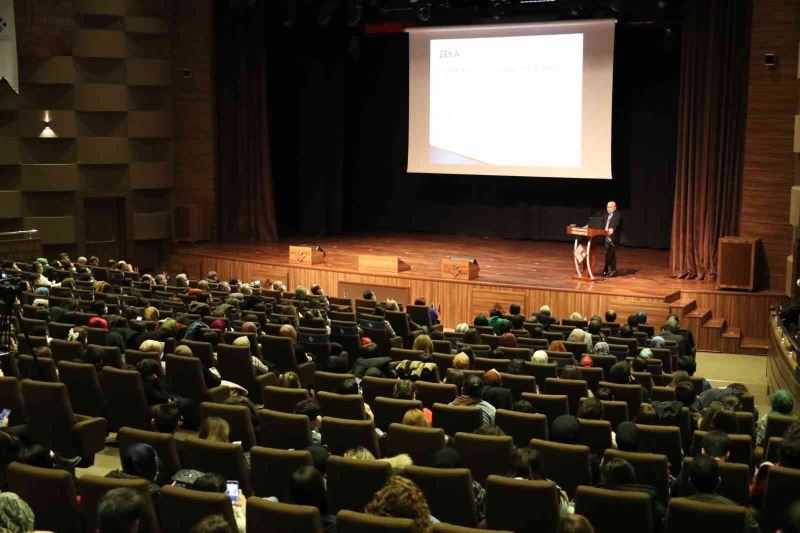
449	457
782	404
307	487
212	524
471	391
119	511
213	482
401	498
311	409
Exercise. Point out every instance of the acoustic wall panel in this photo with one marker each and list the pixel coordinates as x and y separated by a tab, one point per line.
150	226
100	43
46	124
154	124
143	71
114	8
152	25
47	150
10	204
53	230
156	175
53	177
100	70
56	70
102	150
101	97
9	151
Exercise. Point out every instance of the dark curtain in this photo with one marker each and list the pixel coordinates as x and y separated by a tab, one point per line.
711	131
340	104
245	210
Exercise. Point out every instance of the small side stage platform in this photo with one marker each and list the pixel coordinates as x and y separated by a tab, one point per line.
529	273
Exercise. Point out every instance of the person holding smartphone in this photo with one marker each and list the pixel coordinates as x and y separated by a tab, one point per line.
213	482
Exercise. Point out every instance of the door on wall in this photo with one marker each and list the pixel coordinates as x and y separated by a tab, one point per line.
104	223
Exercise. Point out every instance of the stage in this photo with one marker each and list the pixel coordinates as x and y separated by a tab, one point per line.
530	273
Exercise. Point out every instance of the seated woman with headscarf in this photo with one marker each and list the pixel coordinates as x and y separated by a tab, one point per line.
140	461
578	335
287	330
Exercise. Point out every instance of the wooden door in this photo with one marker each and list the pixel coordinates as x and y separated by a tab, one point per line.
104	223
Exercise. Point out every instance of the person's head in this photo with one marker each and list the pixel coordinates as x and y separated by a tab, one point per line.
565	429
633	320
148	368
574	523
472	386
687	364
717	445
152	346
723	418
492	378
545	310
214	428
212	524
615	471
490	430
627	437
307	487
447	457
571	372
586	361
507	340
789	451
782	402
455	377
166	418
210	482
424	343
601	348
626	332
611	316
646	414
401	498
685	393
140	460
461	361
591	409
611	207
311	409
118	511
415	417
540	357
480	320
348	386
392	305
620	373
368	295
518	466
791	518
514	309
289	380
536	332
472	336
658	342
704	474
523	406
16	516
461	327
404	389
360	453
557	346
680	376
183	350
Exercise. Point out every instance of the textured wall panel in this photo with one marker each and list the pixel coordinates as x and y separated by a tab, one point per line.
150	226
155	124
156	25
102	150
100	43
9	151
52	70
10	204
143	71
101	7
53	230
54	177
101	97
157	175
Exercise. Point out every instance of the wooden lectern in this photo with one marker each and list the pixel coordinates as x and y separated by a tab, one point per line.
382	263
305	255
459	268
583	254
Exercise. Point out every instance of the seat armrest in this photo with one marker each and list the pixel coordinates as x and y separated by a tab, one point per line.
306	373
218	394
396	342
90	434
437	327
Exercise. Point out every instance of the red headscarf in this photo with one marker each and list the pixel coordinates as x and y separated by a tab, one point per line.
98	322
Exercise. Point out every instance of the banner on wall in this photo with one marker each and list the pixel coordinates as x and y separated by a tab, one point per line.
8	45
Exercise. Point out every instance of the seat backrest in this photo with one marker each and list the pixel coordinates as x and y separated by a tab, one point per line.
50	415
576	348
93	488
271	470
431	393
267	516
353	522
592	376
124	394
279	350
353	482
329	381
452	528
283	430
350	406
50	494
341	434
604	361
373	387
448	492
596	434
522	427
185	377
419	314
507	498
573	389
11	398
391	410
566	464
783	486
630	394
550	405
631	344
238	417
83	387
734	485
777	425
420	443
518	384
163	443
687	515
663	394
484	455
457	418
604	508
521	352
180	509
283	399
741	447
665	440
28	370
651	469
222	457
488	363
746	424
202	350
235	364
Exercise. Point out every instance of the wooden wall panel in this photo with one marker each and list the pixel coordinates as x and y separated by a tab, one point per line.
51	70
100	43
53	230
770	167
50	178
10	204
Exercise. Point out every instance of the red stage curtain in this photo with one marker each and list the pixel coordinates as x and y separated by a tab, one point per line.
246	209
711	130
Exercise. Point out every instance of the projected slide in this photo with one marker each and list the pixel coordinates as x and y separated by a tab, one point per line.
507	101
530	99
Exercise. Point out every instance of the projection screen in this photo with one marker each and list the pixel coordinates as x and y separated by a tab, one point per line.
512	100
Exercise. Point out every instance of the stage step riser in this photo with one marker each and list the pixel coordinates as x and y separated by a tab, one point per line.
656	312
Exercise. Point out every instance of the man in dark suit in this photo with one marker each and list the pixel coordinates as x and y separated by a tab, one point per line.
612	221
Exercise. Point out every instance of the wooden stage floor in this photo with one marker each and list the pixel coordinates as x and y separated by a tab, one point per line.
527	272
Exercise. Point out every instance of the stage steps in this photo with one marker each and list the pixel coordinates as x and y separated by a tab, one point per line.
683	306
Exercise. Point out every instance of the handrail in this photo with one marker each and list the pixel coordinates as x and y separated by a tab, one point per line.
28	232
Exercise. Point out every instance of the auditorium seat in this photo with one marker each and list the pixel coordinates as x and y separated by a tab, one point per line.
665	440
125	399
265	516
352	482
132	357
521	505
630	394
180	509
522	427
372	387
520	352
431	393
83	387
66	350
11	398
223	457
592	376
421	315
518	384
783	486
340	435
541	371
271	470
614	511
741	447
651	469
448	492
550	405
353	522
235	364
184	377
734	484
686	515
46	370
51	495
350	406
573	389
163	443
484	455
390	410
457	418
283	430
283	399
239	420
484	363
403	354
202	350
663	394
566	464
402	328
328	381
596	434
93	488
420	443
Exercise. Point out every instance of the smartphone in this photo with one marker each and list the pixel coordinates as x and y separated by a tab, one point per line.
232	490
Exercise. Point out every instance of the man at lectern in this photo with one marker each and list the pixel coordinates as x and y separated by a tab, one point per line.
612	221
